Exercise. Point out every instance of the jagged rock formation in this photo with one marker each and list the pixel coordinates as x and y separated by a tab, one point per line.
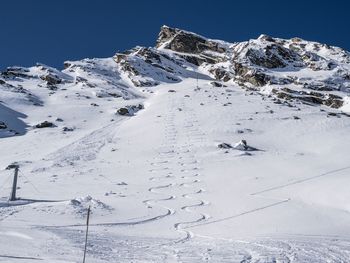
292	69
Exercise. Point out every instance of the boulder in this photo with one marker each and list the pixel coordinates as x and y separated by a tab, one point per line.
123	111
217	84
67	129
129	110
243	146
45	124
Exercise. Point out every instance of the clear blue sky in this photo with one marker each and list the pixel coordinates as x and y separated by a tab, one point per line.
51	31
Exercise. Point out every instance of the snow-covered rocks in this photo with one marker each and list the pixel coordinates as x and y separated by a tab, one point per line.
243	146
240	146
225	145
45	124
129	110
186	42
268	65
310	97
81	204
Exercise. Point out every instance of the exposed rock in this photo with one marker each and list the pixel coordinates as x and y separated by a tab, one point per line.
225	145
45	124
266	38
67	129
129	110
312	97
272	56
114	95
217	84
186	42
20	72
51	79
221	74
123	111
332	114
243	146
80	79
252	76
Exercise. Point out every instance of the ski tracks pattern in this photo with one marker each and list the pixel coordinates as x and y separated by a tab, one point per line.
177	169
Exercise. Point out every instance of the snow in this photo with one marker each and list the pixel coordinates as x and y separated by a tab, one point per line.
161	190
159	187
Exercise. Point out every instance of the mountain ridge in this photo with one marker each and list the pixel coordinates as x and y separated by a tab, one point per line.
262	62
289	71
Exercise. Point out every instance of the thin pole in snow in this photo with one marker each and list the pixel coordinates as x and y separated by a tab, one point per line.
14	185
197	79
87	231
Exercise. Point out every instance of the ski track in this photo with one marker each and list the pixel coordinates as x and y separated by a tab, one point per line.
206	249
84	149
167	152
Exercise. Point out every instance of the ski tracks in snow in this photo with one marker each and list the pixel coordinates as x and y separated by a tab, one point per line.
177	169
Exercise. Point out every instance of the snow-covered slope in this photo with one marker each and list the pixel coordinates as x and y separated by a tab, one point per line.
196	150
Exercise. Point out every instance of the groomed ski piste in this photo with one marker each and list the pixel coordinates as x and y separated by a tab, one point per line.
160	188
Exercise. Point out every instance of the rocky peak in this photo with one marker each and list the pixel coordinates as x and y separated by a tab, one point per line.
166	33
318	72
254	64
186	42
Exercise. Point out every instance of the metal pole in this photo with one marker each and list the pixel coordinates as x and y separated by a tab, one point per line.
87	230
14	185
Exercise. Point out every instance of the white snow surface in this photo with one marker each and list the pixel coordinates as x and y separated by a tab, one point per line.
159	188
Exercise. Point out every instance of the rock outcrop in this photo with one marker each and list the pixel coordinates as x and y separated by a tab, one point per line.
288	69
129	110
253	64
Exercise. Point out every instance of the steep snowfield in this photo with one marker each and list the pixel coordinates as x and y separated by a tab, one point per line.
160	188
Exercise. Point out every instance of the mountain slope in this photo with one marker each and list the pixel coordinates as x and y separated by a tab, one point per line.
196	150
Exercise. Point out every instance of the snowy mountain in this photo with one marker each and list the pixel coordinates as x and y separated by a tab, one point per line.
195	150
